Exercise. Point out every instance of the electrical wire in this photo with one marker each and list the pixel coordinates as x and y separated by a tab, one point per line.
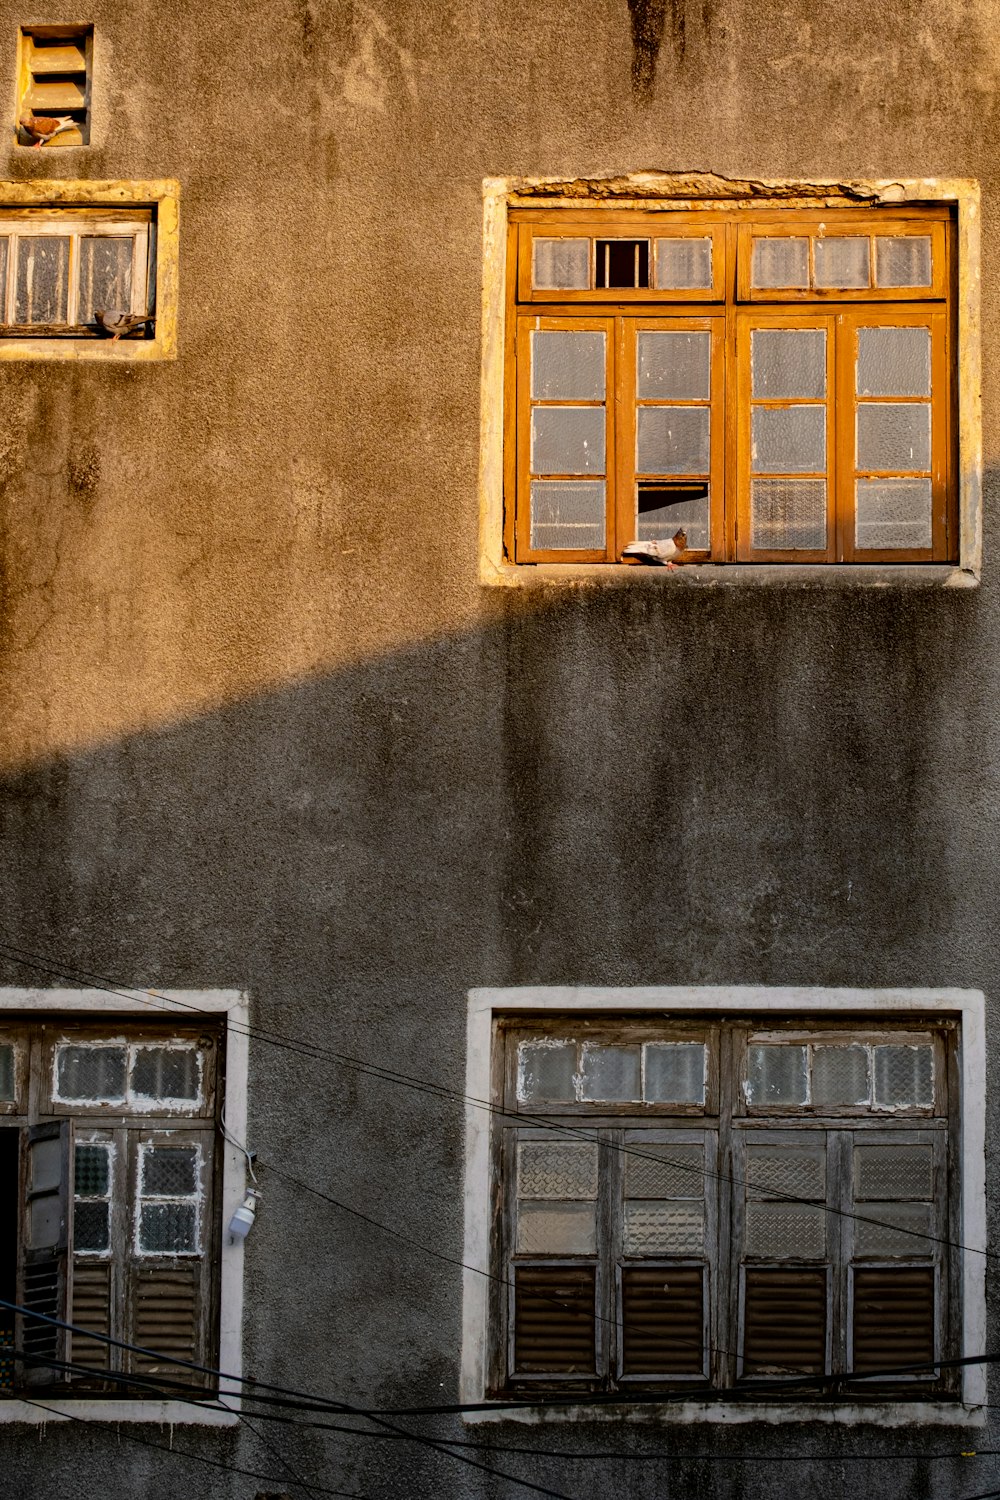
275	1450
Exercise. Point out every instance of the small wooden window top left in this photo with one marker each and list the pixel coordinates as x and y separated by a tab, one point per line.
55	72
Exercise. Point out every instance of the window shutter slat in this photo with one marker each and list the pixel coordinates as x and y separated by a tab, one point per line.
92	1311
785	1321
893	1316
554	1319
663	1320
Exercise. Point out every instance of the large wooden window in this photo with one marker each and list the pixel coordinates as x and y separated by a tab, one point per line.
778	385
724	1206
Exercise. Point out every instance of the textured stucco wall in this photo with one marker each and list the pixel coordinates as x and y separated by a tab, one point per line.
260	725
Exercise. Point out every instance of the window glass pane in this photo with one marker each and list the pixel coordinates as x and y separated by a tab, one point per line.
840	1075
894	362
893	1171
673	366
664	1228
786	514
610	1072
659	1169
92	1171
567	366
168	1228
567	440
795	1171
893	513
903	260
788	364
776	1075
6	1071
789	439
568	515
4	259
44	1223
557	1169
911	1236
674	1072
691	516
683	265
780	263
42	287
894	437
170	1170
45	1157
785	1231
556	1228
165	1073
105	275
904	1076
560	265
672	440
90	1073
842	262
91	1228
545	1070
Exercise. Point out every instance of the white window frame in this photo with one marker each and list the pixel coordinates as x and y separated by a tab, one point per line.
486	1007
230	1006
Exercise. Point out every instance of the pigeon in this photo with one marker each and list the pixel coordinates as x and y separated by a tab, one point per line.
42	128
657	551
117	323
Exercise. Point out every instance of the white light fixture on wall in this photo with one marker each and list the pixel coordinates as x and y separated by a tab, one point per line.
242	1221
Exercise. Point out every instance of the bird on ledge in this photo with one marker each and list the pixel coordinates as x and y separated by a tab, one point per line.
42	128
117	323
657	551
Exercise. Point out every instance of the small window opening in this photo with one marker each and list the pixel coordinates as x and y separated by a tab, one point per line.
656	495
54	83
9	1138
623	263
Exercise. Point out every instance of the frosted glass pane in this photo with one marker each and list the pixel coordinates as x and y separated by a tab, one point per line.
42	287
556	1229
166	1073
788	514
842	262
91	1227
545	1070
664	1228
904	1076
788	364
785	1231
610	1072
905	1230
90	1073
894	362
894	437
6	1071
568	515
788	439
683	265
776	1075
903	261
557	1169
674	1072
893	1171
893	513
797	1172
168	1228
672	440
840	1075
169	1171
105	275
673	366
690	516
92	1171
664	1169
4	258
567	366
560	265
780	262
567	440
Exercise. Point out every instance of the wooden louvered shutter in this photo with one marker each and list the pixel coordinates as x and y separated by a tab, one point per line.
46	1256
893	1316
92	1311
554	1320
784	1321
663	1320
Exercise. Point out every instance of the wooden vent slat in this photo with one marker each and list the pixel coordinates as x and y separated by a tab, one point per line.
785	1321
554	1319
92	1311
166	1320
893	1316
663	1320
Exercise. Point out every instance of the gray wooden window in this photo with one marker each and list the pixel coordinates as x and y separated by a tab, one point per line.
60	267
724	1207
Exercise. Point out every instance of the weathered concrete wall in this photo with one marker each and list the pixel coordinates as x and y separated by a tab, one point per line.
261	726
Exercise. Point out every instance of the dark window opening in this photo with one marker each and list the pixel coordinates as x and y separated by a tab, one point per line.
622	263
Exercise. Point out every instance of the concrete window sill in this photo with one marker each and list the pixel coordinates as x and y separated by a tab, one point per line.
739	575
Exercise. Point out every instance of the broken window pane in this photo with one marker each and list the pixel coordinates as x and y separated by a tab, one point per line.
168	1228
169	1170
560	265
610	1072
904	1076
568	514
687	514
776	1075
779	263
684	264
91	1073
674	1072
165	1073
567	366
622	263
41	292
545	1070
105	275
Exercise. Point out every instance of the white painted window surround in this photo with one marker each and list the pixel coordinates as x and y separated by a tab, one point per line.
228	1005
487	1006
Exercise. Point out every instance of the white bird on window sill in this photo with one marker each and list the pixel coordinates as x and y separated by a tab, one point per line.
656	551
42	128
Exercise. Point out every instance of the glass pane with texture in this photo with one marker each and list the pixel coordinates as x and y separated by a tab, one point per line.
165	1073
96	1073
691	516
785	1231
894	362
661	1169
673	366
840	1075
567	366
893	513
788	514
894	437
560	265
545	1070
780	263
556	1229
776	1075
795	1172
664	1228
567	440
788	364
170	1171
842	262
92	1171
7	1081
567	515
902	1229
610	1073
683	265
168	1229
41	291
903	260
672	440
904	1076
788	440
892	1171
557	1169
105	275
91	1227
4	262
673	1072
